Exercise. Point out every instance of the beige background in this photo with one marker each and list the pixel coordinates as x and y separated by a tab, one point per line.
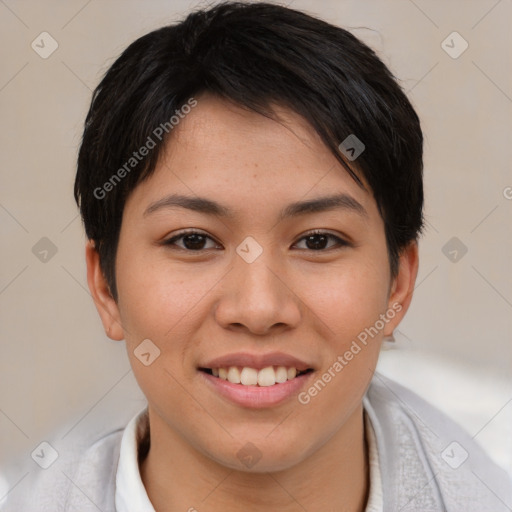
58	371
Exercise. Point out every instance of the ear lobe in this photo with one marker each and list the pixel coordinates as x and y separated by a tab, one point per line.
98	286
403	285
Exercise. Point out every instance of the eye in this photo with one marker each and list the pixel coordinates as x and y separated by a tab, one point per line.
317	240
192	241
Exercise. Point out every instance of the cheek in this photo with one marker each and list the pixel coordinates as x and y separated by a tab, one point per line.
347	299
163	301
157	303
350	303
156	298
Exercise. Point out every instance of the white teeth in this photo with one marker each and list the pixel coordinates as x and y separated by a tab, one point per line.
267	376
234	375
251	377
281	374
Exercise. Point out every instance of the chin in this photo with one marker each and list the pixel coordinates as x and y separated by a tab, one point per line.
260	456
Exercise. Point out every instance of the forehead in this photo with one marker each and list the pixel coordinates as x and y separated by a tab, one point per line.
222	128
246	160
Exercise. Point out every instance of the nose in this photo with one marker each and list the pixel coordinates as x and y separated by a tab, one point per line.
256	298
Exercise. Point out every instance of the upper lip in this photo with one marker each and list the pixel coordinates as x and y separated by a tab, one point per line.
257	361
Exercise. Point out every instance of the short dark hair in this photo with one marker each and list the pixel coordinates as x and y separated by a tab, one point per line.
256	55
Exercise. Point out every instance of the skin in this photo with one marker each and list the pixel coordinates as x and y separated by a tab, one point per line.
198	305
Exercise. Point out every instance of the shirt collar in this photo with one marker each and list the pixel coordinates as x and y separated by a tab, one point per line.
130	491
375	496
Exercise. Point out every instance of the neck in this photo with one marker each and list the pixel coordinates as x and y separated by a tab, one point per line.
335	477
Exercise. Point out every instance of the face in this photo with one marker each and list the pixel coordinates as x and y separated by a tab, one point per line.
252	269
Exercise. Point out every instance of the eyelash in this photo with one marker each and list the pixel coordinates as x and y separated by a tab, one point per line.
340	242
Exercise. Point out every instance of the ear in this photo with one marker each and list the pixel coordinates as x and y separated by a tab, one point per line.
105	303
402	286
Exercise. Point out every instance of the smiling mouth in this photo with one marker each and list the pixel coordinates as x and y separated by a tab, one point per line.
247	376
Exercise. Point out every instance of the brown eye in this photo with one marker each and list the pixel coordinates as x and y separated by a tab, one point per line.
190	241
318	241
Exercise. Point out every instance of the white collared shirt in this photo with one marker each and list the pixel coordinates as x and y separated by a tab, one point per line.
131	494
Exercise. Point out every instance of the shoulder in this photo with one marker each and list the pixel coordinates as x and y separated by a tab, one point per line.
82	478
419	442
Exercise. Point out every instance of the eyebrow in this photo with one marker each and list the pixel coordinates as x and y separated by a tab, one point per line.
207	206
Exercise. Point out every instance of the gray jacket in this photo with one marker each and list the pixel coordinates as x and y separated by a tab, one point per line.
428	463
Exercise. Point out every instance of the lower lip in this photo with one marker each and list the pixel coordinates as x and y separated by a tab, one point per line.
257	396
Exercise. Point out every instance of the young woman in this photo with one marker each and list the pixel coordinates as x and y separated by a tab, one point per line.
250	181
